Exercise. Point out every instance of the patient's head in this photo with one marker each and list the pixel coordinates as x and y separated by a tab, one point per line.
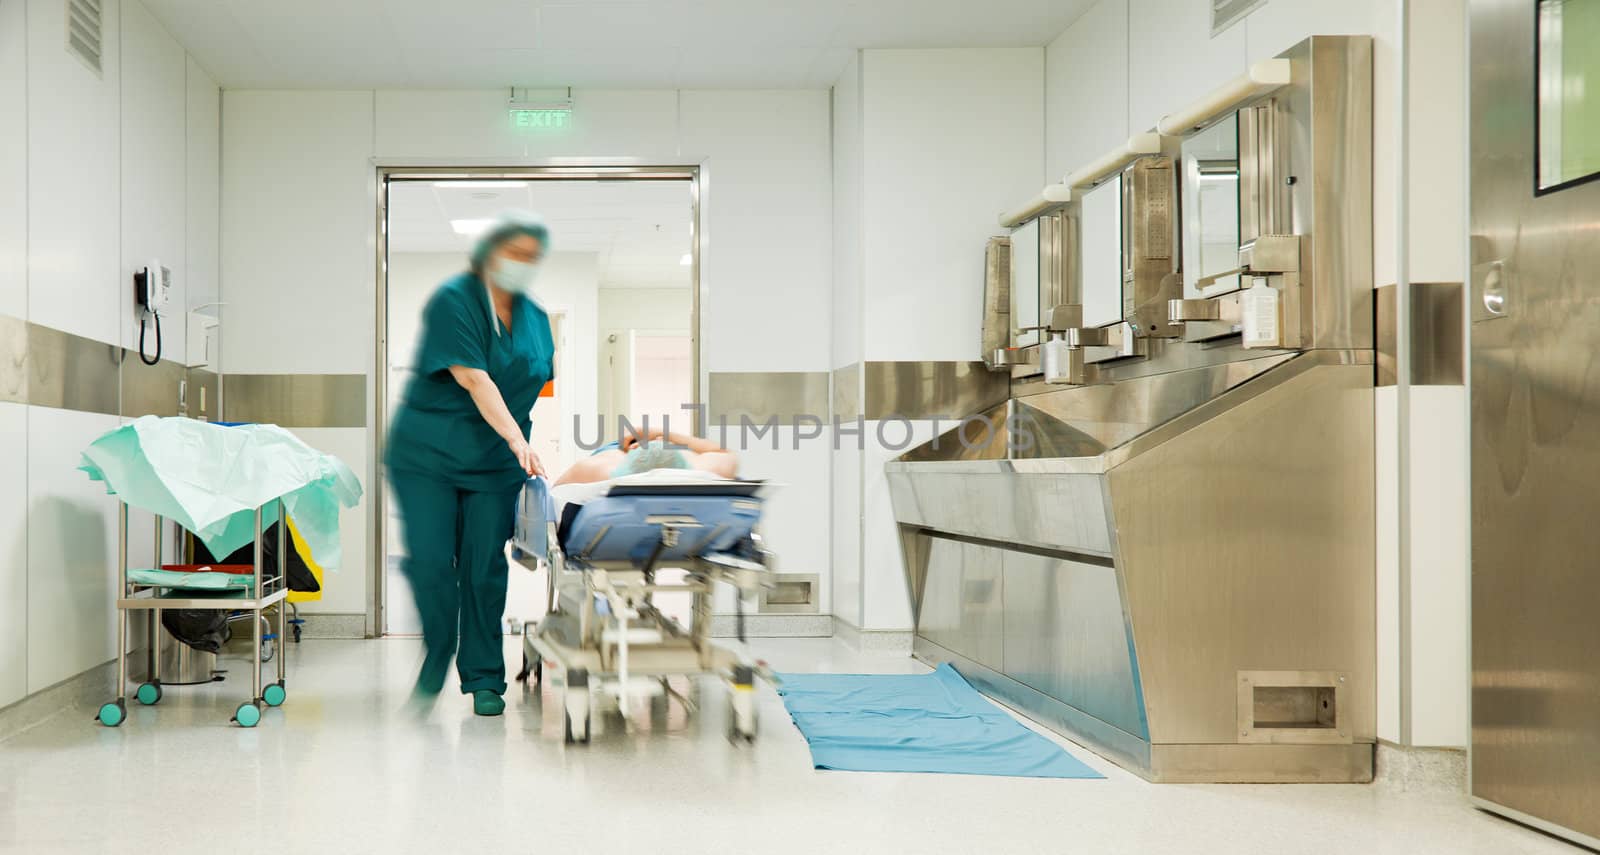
652	455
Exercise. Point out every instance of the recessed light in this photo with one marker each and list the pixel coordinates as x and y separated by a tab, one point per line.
470	226
480	185
687	259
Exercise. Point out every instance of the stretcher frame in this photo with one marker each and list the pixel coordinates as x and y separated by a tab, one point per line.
634	648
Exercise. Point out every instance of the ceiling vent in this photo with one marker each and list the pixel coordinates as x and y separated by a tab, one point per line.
83	31
1226	13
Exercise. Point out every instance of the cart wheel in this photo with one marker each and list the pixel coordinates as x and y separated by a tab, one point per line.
112	714
267	649
522	675
248	714
274	695
149	694
538	670
297	629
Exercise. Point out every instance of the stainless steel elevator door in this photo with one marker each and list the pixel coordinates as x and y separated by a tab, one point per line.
1535	448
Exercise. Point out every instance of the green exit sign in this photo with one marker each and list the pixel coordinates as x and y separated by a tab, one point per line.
541	118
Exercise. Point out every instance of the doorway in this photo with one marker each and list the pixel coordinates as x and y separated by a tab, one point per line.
622	266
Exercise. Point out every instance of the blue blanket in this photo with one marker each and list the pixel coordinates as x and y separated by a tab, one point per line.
917	723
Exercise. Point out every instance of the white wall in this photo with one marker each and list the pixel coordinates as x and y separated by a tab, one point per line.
931	181
846	343
299	225
1127	62
98	174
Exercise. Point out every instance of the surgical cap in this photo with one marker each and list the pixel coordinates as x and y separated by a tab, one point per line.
509	225
654	455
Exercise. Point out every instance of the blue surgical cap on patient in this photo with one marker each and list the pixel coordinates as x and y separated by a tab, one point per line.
509	225
654	455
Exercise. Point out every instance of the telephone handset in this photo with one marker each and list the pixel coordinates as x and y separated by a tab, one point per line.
152	289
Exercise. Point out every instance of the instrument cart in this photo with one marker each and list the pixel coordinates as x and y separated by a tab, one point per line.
254	594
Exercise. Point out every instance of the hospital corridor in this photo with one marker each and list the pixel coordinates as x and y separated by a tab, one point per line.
857	426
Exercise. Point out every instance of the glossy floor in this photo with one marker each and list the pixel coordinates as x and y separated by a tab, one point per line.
344	766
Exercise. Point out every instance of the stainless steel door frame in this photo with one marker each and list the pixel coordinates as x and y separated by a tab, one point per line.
425	169
1535	752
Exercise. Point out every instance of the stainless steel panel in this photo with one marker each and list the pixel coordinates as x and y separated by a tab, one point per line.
1066	637
152	390
1332	146
763	395
1064	512
790	594
205	390
847	392
1108	415
1437	330
1535	453
917	390
1269	566
297	400
1388	337
996	296
1119	746
69	372
962	605
1261	764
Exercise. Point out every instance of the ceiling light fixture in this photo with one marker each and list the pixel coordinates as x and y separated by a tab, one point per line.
470	226
480	185
687	259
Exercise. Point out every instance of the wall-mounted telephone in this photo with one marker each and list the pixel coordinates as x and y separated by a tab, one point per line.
152	288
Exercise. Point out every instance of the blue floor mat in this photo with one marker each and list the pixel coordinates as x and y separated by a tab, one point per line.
917	723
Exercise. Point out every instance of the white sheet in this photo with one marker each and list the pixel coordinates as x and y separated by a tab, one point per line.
566	494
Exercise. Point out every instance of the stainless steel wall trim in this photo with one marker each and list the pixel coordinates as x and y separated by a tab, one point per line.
152	390
764	395
298	400
847	392
1437	353
1387	337
45	367
70	372
917	390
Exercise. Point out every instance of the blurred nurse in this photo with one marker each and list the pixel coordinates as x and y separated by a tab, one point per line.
458	453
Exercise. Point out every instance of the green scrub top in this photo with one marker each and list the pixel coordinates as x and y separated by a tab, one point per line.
438	430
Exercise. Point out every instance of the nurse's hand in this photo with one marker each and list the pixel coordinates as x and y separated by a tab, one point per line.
526	458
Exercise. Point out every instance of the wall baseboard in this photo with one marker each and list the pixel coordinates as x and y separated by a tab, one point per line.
81	694
333	625
1409	768
773	626
895	642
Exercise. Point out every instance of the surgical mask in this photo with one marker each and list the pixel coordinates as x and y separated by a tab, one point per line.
512	276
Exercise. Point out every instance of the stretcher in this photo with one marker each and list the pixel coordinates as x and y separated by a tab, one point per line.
603	636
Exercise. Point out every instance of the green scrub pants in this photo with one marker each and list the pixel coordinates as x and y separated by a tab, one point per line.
456	564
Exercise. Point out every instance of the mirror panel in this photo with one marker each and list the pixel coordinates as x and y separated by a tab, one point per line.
1568	131
1211	207
1101	230
1025	282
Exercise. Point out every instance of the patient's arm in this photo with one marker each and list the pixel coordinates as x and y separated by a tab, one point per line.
590	469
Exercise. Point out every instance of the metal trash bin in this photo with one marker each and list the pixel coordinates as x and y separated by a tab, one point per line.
181	665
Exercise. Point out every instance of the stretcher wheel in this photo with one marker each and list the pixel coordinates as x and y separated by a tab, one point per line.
112	714
248	714
149	694
577	710
274	695
534	669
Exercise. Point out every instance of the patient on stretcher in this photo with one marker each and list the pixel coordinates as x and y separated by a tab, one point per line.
648	451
